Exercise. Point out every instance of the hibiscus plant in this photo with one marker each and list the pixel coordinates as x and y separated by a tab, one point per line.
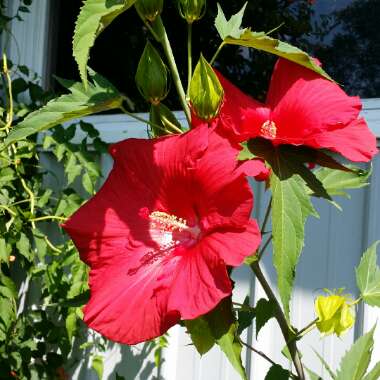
174	217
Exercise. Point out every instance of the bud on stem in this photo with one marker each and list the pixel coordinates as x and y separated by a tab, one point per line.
163	121
192	10
150	9
206	92
152	76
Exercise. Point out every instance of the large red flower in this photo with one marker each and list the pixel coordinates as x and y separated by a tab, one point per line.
173	213
302	108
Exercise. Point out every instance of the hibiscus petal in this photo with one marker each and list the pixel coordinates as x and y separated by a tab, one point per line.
234	246
303	103
128	303
240	113
355	141
201	282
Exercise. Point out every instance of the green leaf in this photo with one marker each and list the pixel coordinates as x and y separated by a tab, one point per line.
23	246
336	182
368	277
224	327
374	374
87	183
71	324
99	96
9	285
94	17
4	251
265	310
230	28
245	316
276	372
326	365
355	362
201	334
312	375
119	377
290	208
98	366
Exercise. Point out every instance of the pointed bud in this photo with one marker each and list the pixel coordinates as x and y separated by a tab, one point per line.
163	121
206	92
192	10
152	76
334	313
150	9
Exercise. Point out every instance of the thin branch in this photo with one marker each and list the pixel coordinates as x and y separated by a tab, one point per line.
216	53
262	250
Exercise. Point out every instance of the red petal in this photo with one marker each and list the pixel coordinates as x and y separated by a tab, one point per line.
240	113
234	246
303	103
201	282
355	141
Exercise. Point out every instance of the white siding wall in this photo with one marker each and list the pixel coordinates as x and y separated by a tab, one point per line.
334	244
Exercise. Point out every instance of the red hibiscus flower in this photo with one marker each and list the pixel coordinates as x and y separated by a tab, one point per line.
173	213
302	108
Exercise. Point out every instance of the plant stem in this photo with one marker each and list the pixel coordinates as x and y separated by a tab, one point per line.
307	328
189	56
48	217
262	250
267	215
146	23
173	67
148	122
216	53
280	317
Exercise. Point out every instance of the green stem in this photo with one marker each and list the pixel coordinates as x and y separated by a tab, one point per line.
267	215
280	317
48	217
146	23
189	56
173	67
216	53
262	250
148	122
307	328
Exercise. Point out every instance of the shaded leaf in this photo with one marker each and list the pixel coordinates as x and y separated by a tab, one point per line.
99	96
23	246
355	362
276	372
368	276
265	310
201	334
245	316
94	17
71	324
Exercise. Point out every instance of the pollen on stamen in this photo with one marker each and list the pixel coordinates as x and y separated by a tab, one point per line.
269	129
167	222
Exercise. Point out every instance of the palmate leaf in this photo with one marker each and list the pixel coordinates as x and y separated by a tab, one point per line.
368	277
99	96
94	17
231	33
220	327
354	363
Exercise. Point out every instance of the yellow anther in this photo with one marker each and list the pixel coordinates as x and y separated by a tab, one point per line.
167	221
269	129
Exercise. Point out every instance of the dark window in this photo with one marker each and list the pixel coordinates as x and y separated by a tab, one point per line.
341	33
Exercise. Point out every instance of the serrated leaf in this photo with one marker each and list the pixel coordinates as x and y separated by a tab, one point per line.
99	96
232	27
98	366
94	17
23	246
201	334
355	362
261	41
368	277
374	374
336	182
265	310
245	316
290	208
87	183
276	372
326	365
9	285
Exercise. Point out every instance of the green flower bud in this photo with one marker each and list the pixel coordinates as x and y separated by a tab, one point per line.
163	120
152	76
206	92
150	9
334	314
192	10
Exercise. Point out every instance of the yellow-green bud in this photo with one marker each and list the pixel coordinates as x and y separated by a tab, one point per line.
163	120
152	76
206	92
192	10
334	313
150	9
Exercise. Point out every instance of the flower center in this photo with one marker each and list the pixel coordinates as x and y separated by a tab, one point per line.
269	129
